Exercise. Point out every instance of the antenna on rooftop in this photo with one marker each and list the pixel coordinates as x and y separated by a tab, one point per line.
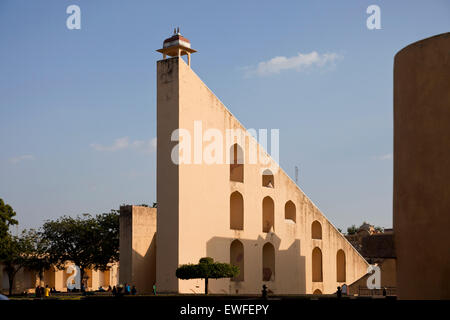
296	175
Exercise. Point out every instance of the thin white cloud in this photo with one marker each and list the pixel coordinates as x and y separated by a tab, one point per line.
146	146
153	144
24	157
120	143
387	156
299	62
125	143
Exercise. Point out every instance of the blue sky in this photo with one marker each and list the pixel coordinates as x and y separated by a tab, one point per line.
78	107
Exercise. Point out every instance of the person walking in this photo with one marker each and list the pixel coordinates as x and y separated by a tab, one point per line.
264	292
47	291
37	291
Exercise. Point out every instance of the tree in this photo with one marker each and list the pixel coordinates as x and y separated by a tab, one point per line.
352	230
14	254
10	247
37	258
87	241
379	229
207	269
6	218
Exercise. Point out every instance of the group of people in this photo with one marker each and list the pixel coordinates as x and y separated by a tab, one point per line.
125	289
41	291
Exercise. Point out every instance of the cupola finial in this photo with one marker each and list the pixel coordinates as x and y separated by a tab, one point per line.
177	46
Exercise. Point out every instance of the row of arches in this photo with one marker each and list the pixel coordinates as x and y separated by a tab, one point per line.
268	212
268	215
237	168
317	265
268	265
268	259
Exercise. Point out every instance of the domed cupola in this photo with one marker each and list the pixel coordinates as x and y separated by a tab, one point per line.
177	46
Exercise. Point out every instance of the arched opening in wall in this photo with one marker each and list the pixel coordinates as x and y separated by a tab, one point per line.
236	163
104	278
87	278
49	277
268	214
317	291
5	280
66	276
268	262
107	277
236	211
316	230
268	180
237	258
317	265
29	278
340	266
289	211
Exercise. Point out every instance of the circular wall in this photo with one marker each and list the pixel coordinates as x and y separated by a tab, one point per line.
422	168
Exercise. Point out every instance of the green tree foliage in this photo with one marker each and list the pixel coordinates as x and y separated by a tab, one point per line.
352	230
88	241
207	269
10	247
379	229
6	218
37	258
15	253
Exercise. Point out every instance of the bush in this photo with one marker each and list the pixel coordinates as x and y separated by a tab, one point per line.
205	269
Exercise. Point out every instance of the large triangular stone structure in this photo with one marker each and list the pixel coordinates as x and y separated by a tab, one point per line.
232	212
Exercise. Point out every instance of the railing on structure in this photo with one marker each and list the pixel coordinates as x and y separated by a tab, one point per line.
364	291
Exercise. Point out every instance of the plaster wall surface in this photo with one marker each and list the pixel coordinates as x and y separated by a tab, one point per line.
138	247
194	201
167	187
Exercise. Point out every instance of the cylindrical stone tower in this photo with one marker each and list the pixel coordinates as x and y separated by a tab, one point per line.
422	168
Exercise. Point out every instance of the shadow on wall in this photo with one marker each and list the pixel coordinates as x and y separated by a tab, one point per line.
282	271
144	268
